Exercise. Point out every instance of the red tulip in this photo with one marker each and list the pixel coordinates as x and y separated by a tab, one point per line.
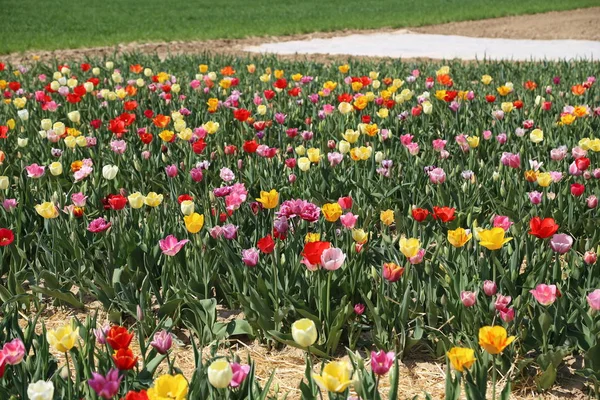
266	244
444	214
124	359
6	237
118	338
542	228
420	214
313	250
577	189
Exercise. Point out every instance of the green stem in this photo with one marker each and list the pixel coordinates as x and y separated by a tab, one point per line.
70	384
494	376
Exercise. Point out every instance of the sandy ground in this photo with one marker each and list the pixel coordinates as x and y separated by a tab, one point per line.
579	24
419	372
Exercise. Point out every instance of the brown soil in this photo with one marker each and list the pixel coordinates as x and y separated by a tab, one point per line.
419	374
572	24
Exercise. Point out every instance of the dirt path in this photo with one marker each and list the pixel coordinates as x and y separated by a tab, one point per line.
574	24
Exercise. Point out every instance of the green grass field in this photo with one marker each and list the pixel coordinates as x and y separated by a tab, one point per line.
44	24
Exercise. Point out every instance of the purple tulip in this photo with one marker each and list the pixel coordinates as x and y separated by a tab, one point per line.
106	387
162	342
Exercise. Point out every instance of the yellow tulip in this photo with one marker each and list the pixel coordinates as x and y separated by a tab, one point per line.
194	222
536	135
459	237
136	200
493	239
269	199
304	164
166	135
507	106
387	217
47	210
486	79
344	68
345	107
409	247
314	155
493	339
203	68
62	339
332	211
473	141
312	237
544	179
335	377
153	200
461	358
359	236
168	387
351	136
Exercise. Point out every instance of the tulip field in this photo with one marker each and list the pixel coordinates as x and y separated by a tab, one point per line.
357	209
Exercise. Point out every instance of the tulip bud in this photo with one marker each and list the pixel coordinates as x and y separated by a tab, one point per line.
4	182
590	257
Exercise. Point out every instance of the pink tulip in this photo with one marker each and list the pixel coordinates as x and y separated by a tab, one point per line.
381	362
545	294
437	176
98	225
229	231
348	220
171	170
561	243
487	135
250	257
558	154
35	171
78	199
502	302
9	204
535	197
511	160
418	258
501	221
170	246
468	298
14	351
501	138
507	315
490	288
332	258
593	300
359	309
592	201
240	372
162	342
439	144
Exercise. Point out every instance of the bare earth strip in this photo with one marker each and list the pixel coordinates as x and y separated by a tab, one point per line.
582	24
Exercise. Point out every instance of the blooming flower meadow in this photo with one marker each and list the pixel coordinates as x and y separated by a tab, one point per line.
385	206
